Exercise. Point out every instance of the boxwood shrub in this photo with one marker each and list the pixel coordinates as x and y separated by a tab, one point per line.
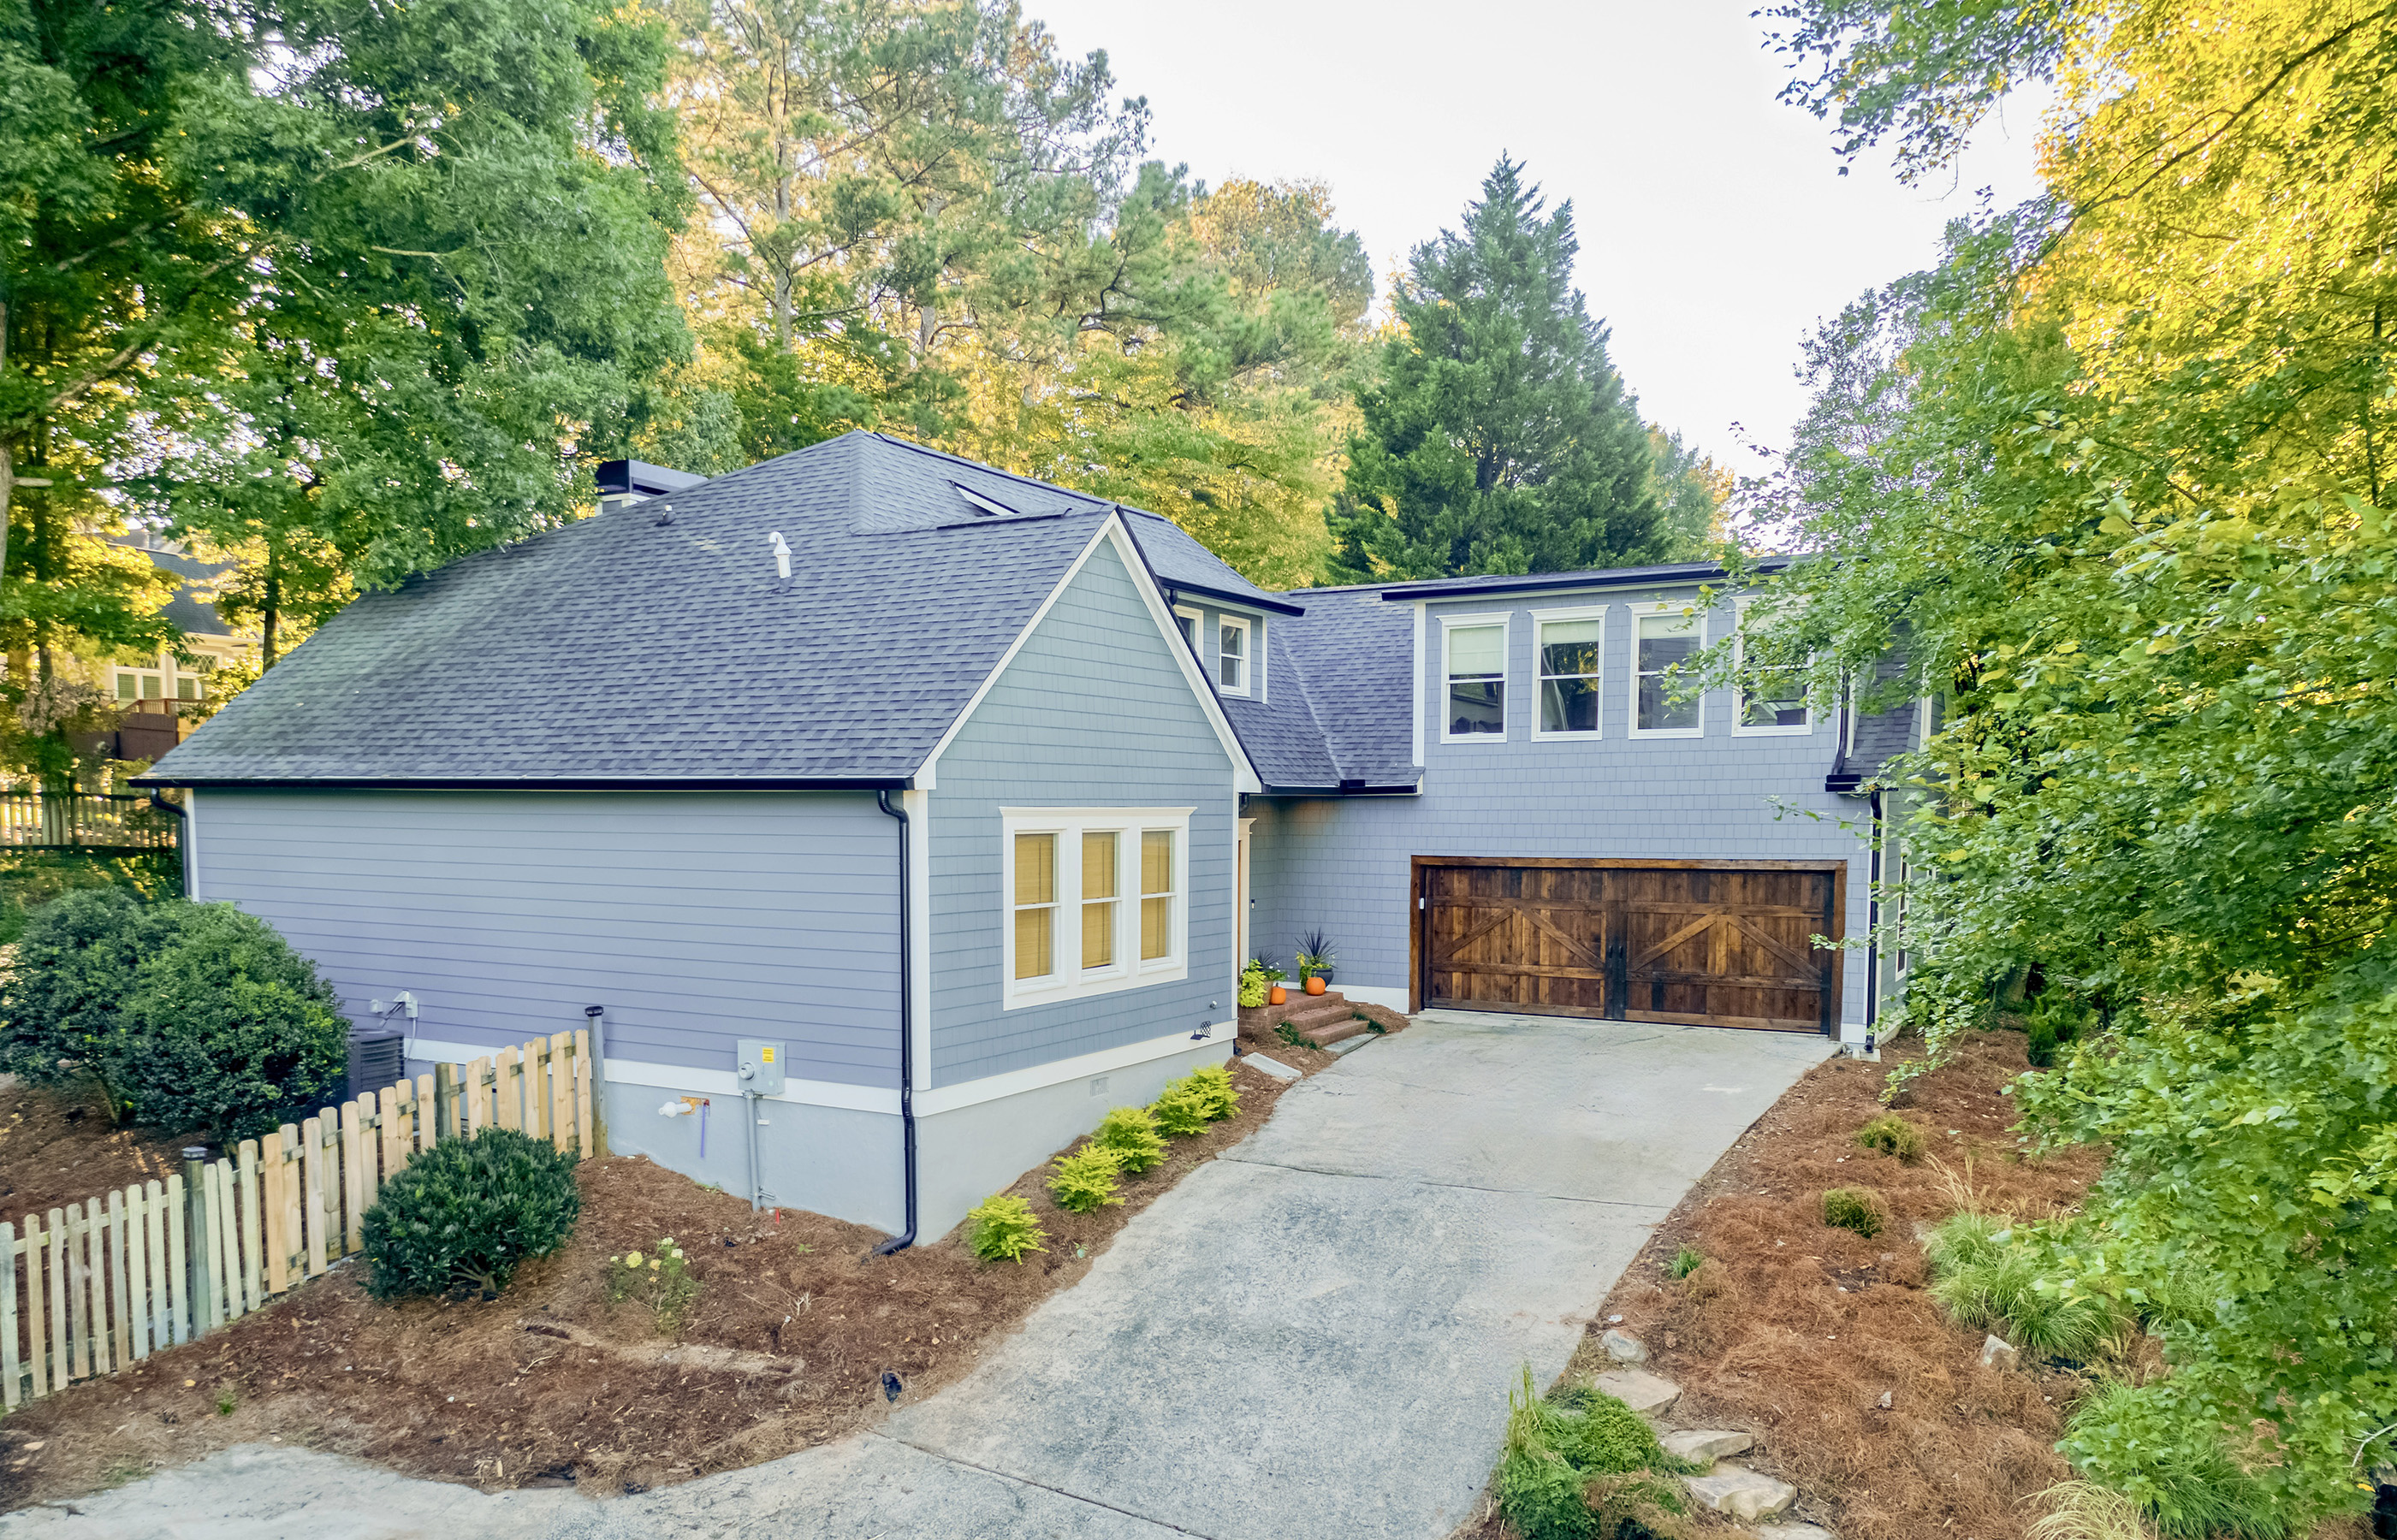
465	1214
226	1029
61	1002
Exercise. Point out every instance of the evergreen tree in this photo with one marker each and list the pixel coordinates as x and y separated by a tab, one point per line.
1497	437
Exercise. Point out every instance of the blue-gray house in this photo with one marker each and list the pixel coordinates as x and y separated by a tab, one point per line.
972	792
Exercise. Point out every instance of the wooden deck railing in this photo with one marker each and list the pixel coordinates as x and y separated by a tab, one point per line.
85	821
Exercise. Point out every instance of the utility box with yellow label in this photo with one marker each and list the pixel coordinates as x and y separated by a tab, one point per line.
761	1067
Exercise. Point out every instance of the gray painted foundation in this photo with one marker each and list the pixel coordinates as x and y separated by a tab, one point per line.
965	1156
848	1164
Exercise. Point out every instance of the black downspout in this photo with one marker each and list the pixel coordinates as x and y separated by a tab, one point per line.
184	841
1872	928
907	1037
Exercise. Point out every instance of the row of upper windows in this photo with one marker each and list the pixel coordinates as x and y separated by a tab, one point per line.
1568	648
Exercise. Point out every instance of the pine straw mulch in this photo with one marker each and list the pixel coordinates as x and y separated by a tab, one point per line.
1793	1331
58	1148
794	1328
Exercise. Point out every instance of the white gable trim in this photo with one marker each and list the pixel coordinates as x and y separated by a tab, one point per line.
1244	774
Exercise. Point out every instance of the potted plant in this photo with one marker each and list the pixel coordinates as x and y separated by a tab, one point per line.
1275	993
1315	961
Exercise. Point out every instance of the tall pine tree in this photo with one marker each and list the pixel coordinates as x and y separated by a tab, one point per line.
1496	436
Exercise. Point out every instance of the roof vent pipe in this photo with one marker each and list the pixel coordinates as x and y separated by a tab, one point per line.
782	554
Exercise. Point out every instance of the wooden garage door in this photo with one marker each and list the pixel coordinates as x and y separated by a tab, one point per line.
1718	944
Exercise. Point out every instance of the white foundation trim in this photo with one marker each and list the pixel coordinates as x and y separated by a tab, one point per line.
883	1098
1016	1082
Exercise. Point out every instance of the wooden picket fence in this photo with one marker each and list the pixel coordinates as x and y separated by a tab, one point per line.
154	1264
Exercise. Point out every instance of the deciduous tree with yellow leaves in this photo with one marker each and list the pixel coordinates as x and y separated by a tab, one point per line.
2119	471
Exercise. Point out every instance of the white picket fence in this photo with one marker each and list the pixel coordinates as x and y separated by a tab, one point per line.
104	1285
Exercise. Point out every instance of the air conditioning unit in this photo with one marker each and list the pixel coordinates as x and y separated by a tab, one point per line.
377	1058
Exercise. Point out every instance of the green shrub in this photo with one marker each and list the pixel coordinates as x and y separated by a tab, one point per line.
33	878
1086	1180
466	1213
1582	1467
227	1029
1253	989
2055	1018
1002	1229
1858	1208
1293	1037
1132	1133
1894	1135
2180	1473
1986	1277
62	1002
1688	1260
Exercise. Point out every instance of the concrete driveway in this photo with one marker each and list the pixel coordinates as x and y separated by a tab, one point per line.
1314	1334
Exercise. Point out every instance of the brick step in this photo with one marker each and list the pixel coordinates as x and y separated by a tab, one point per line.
1324	1010
1339	1031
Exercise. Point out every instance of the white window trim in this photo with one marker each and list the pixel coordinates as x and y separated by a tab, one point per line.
1248	654
1631	702
1504	620
1540	675
1739	724
1067	981
1197	619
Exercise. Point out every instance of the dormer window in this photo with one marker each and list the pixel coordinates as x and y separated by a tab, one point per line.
1232	657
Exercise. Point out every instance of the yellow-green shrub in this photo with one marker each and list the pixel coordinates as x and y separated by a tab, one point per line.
1132	1133
1002	1229
1086	1179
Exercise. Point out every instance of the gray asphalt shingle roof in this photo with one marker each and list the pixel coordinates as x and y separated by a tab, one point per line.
618	650
636	648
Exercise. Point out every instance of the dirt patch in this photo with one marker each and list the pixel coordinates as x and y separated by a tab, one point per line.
795	1326
58	1148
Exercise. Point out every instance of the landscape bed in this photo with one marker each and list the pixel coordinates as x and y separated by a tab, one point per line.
1793	1331
786	1344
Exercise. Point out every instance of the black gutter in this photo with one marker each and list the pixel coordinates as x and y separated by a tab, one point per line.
877	782
906	1039
183	844
1228	596
1536	582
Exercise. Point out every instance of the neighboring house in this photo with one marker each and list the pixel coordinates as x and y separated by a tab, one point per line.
193	609
970	793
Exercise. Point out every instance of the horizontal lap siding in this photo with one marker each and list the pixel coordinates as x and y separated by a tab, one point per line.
1094	710
694	918
1343	864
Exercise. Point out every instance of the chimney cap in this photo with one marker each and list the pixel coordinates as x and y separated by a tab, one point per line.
639	478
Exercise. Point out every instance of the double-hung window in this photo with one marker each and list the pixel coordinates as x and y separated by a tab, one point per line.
1188	620
1474	706
1568	648
1232	657
1159	876
1097	900
1771	689
1666	644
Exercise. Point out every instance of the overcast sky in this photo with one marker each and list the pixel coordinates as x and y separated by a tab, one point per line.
1715	226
